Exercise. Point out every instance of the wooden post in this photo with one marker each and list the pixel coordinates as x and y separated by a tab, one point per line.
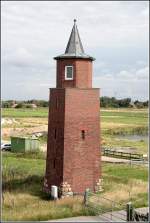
129	211
86	197
111	209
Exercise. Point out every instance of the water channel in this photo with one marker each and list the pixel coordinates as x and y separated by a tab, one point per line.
133	137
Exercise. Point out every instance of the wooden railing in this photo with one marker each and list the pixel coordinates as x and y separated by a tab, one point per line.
121	154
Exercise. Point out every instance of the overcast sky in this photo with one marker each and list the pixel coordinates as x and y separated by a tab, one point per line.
115	33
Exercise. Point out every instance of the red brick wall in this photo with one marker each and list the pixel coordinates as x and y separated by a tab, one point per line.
77	159
82	156
55	147
82	73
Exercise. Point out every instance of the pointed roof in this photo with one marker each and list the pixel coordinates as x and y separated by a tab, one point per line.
74	47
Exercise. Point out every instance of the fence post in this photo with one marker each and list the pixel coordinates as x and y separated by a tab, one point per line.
86	197
129	211
111	209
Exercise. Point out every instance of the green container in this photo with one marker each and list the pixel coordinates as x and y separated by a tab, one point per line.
21	145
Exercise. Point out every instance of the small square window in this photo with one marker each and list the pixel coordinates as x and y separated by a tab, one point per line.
68	72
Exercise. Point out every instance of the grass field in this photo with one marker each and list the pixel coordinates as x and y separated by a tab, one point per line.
114	122
23	198
22	113
23	174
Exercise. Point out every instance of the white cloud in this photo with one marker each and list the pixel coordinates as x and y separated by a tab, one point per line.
126	83
33	32
21	57
110	22
143	73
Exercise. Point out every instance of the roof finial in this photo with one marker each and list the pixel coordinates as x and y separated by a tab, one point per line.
74	20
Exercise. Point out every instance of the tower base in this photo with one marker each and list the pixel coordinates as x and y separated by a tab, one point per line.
73	146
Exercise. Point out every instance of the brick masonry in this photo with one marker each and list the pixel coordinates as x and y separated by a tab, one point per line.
73	146
70	158
82	73
55	141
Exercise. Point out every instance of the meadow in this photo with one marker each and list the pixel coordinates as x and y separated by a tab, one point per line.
23	174
114	122
125	122
23	198
22	112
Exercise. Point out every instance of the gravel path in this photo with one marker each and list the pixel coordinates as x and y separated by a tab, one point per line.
118	160
114	160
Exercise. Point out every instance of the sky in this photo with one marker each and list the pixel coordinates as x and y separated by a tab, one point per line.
116	33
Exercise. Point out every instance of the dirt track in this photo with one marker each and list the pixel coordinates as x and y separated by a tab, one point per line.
7	132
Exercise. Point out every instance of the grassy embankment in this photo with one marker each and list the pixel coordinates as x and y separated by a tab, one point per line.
114	122
23	198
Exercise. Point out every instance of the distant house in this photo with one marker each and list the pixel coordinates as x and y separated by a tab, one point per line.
14	105
132	104
32	105
25	106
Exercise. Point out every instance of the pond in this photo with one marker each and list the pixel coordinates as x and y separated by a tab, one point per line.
133	137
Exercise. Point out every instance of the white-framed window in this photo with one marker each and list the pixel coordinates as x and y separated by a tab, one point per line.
68	72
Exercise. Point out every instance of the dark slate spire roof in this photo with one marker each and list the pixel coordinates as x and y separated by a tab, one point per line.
74	47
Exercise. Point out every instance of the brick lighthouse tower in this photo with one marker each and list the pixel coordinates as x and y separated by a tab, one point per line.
73	145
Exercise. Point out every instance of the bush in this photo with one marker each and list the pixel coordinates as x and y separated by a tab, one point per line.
140	105
108	102
7	104
20	105
28	106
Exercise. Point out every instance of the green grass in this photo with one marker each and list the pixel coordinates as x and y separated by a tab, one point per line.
137	118
126	172
124	183
115	116
111	141
23	176
20	170
113	122
128	117
21	112
116	122
22	192
137	130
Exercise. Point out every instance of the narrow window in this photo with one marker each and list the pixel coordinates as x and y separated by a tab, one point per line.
56	103
83	134
55	133
68	72
54	164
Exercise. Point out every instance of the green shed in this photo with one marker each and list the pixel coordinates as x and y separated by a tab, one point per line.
24	144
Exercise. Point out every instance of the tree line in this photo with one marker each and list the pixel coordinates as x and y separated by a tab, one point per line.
24	104
112	102
105	102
